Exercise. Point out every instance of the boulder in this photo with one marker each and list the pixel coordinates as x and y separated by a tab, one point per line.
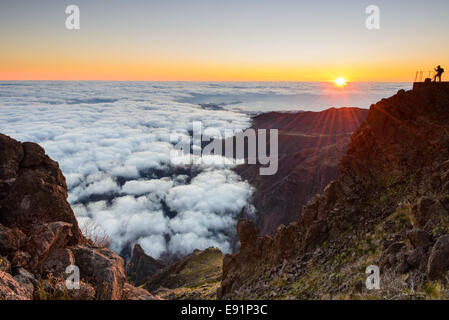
56	289
438	264
418	257
45	238
395	248
11	239
57	262
32	189
419	238
10	289
427	209
26	279
20	259
103	268
393	256
132	293
32	200
85	292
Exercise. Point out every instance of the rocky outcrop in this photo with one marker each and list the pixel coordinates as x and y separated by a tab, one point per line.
132	293
45	239
195	276
56	289
419	238
247	233
103	268
389	207
11	239
32	189
40	237
438	265
57	261
310	145
142	266
26	280
10	289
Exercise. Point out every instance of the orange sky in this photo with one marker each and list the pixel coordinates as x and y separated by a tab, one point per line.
221	41
54	68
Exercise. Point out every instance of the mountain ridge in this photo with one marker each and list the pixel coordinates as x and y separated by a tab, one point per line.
389	207
309	147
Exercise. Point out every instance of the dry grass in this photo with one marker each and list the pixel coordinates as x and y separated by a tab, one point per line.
4	265
52	288
433	290
95	233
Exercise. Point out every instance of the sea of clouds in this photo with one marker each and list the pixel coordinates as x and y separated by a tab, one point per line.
113	142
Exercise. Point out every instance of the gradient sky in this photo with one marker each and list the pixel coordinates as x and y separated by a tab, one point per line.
232	40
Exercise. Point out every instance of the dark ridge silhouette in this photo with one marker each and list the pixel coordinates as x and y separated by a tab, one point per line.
310	144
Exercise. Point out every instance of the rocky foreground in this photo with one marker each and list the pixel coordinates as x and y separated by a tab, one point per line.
388	207
40	237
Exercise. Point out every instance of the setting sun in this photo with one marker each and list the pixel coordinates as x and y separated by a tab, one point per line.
340	82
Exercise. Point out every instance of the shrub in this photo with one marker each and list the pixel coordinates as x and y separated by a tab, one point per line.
433	290
4	264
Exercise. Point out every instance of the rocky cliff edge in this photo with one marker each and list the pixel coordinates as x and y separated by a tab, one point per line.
40	237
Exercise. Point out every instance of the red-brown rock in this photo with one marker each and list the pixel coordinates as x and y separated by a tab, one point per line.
132	293
32	189
57	262
10	289
44	239
103	268
247	232
10	239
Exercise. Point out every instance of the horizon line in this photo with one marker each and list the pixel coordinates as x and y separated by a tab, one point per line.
198	81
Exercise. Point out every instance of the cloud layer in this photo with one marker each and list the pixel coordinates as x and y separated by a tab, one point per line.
112	141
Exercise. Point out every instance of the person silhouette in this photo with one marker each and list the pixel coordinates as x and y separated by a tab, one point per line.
439	72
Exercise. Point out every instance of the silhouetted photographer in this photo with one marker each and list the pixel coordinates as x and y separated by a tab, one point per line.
439	72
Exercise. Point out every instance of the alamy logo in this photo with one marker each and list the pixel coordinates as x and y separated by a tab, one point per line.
373	20
194	150
72	22
373	280
73	279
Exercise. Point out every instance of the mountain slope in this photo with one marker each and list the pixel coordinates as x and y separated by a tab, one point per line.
194	277
310	145
389	207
